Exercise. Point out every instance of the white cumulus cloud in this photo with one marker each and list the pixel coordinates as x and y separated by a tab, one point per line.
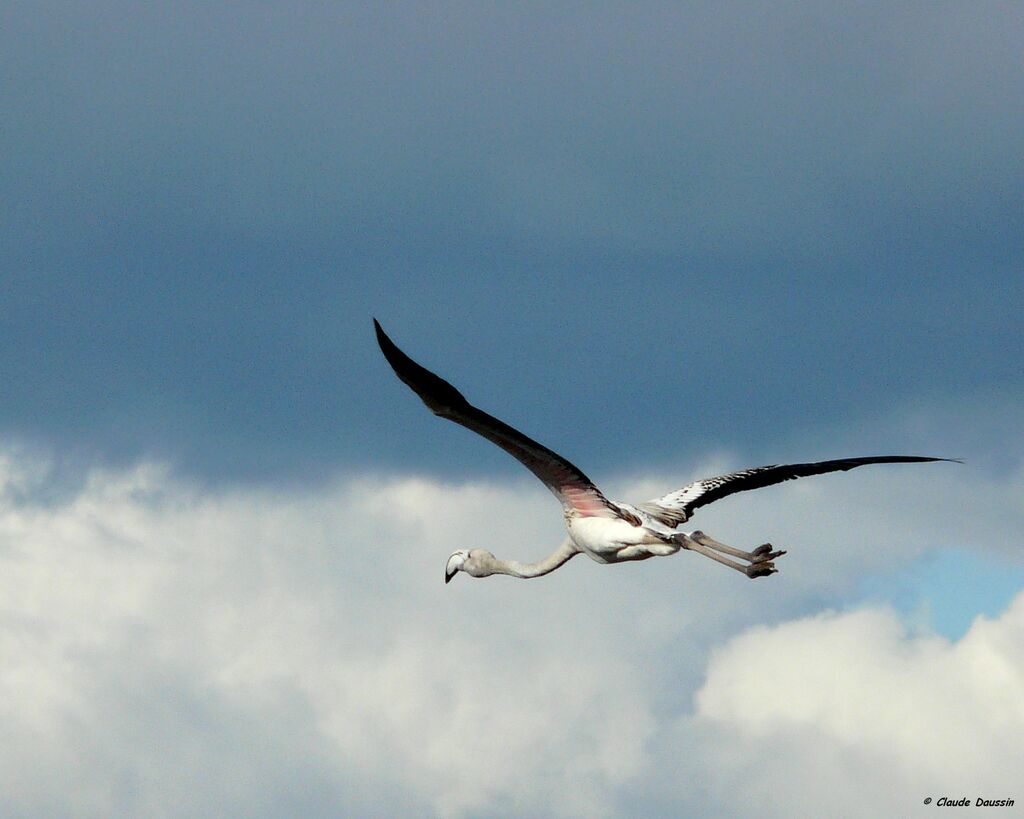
852	710
172	650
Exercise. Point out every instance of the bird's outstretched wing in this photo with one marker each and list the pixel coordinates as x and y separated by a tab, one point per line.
574	489
676	507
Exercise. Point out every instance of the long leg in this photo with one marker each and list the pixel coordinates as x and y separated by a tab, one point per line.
761	554
757	568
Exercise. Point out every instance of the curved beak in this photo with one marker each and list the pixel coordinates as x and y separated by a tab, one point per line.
453	565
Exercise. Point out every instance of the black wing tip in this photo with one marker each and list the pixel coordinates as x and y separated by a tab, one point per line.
922	459
889	459
395	357
433	390
382	338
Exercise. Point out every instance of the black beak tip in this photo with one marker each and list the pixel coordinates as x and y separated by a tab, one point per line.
448	578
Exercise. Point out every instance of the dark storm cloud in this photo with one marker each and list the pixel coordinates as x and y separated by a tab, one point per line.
734	219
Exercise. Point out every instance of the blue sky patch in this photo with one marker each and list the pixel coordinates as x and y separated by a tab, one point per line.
947	589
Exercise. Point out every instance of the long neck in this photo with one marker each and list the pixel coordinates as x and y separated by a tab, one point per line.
513	567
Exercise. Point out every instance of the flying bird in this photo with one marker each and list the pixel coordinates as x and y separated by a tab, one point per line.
604	530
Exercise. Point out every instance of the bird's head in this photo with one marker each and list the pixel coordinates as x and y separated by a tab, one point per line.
474	562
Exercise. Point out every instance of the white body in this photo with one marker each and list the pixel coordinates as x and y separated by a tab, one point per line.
610	540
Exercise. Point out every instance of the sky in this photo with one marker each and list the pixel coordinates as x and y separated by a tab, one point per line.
666	240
